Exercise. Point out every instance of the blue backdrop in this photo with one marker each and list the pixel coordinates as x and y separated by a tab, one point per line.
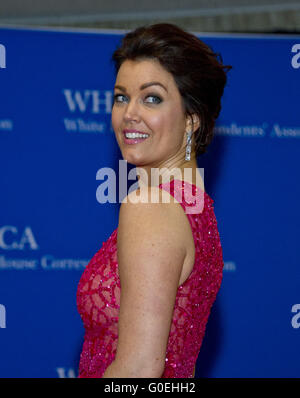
55	134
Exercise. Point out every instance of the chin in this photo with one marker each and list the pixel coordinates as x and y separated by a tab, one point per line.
134	159
135	162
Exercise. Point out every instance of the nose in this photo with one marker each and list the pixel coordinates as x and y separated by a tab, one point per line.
132	112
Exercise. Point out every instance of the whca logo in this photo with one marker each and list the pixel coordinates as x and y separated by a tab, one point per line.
88	100
2	317
13	239
296	58
296	318
2	57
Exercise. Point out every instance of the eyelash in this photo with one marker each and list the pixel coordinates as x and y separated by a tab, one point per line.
149	95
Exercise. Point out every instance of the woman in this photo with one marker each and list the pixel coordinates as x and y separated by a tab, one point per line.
169	262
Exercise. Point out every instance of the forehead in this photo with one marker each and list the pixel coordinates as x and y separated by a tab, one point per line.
135	73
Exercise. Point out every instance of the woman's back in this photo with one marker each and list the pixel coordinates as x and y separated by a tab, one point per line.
98	294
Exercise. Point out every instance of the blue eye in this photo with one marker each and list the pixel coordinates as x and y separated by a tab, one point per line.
157	99
116	96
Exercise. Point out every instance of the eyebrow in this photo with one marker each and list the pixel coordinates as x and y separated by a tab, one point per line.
143	86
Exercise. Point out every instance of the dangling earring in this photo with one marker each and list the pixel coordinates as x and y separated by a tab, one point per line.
188	145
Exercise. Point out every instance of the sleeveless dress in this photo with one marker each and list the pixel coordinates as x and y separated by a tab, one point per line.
98	293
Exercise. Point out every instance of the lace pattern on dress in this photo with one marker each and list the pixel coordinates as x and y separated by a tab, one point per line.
98	293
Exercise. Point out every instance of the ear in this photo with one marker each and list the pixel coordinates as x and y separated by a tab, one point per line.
192	123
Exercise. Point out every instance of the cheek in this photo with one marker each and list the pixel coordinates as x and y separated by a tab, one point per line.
115	123
114	118
168	124
159	123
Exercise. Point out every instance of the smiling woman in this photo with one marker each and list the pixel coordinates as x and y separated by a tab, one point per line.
154	108
167	255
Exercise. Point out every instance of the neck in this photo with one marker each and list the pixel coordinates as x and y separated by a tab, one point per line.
155	175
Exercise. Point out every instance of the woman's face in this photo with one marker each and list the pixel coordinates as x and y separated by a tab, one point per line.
147	100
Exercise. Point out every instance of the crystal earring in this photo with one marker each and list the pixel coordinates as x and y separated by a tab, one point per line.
188	145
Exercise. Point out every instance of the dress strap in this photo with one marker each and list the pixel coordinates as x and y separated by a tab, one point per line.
190	196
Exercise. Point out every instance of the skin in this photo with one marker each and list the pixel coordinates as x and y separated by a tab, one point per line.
141	110
155	245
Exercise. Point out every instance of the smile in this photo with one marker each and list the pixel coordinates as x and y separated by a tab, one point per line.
134	137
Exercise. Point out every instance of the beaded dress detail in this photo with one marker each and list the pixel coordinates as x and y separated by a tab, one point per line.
98	293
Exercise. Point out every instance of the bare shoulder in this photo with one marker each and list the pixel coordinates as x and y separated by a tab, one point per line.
149	195
152	214
152	206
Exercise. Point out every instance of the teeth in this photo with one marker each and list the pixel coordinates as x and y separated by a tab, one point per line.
136	135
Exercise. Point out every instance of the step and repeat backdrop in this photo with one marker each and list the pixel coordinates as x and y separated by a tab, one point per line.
56	92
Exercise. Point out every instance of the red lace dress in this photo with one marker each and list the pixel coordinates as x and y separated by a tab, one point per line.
98	294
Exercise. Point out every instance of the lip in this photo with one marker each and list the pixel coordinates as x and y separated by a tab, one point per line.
132	141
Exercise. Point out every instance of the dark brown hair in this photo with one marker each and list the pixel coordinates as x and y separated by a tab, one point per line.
198	72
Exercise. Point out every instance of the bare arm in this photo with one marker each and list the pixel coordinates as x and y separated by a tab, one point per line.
150	256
